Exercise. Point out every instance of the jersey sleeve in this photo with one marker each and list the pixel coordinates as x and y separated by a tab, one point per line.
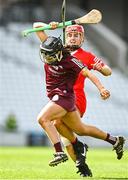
92	60
87	58
77	66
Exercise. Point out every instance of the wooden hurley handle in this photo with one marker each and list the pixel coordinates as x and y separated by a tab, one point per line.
93	17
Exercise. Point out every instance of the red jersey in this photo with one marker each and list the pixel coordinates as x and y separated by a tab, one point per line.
87	59
60	78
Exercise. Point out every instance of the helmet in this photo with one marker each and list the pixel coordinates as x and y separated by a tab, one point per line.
73	28
51	50
51	45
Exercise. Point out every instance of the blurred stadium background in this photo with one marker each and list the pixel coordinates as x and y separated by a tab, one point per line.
22	85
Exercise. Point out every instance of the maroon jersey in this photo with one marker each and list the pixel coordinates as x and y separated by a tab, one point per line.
60	78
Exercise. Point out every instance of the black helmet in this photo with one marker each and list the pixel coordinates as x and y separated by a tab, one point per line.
51	45
51	50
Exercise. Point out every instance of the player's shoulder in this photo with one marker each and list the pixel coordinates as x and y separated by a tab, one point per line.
68	61
74	61
86	52
83	52
69	58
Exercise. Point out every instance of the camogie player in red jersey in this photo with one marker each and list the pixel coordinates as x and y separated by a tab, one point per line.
66	127
74	40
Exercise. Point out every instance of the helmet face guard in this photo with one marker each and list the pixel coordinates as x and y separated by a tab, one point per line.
51	50
51	59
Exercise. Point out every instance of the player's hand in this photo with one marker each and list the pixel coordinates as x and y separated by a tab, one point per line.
38	24
104	93
54	24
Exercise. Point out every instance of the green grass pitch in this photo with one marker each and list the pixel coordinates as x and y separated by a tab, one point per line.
32	163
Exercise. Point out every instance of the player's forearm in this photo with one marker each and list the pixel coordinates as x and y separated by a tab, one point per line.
104	93
96	81
93	78
106	71
41	34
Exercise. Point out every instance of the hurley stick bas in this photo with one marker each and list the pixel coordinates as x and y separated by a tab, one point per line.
93	17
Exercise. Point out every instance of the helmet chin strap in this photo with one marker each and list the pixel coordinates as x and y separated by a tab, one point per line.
52	60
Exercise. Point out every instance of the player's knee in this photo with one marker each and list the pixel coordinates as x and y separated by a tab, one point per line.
42	120
81	132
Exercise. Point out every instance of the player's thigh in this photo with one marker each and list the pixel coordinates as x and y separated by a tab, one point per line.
52	111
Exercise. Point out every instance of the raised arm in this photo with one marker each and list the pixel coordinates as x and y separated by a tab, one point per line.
41	34
105	94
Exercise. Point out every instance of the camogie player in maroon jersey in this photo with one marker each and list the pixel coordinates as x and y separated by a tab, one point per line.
62	94
61	71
